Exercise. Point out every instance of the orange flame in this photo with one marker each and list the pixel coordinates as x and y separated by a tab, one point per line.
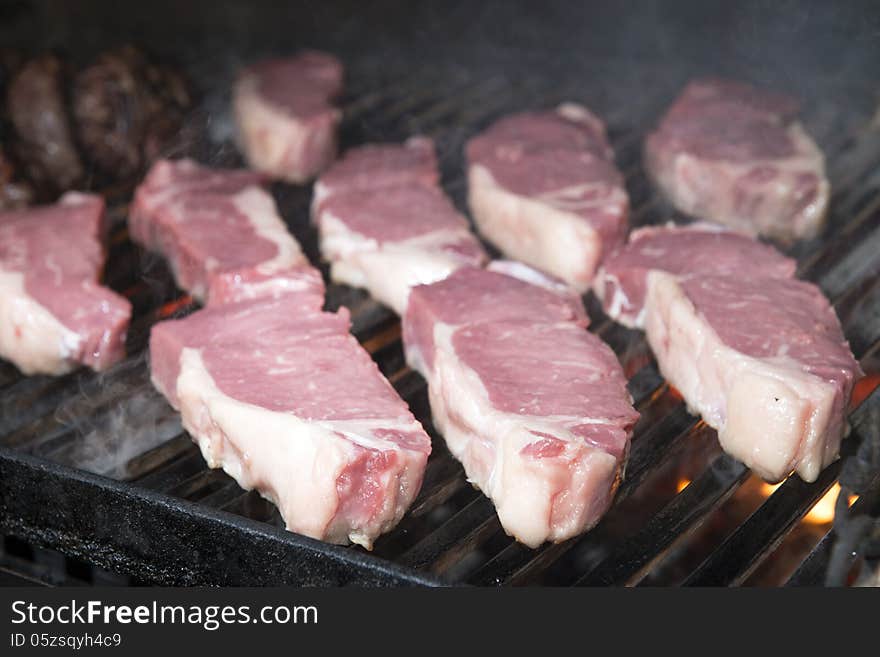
173	306
822	512
768	489
863	388
682	484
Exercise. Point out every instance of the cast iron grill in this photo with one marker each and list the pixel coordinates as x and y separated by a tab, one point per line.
98	468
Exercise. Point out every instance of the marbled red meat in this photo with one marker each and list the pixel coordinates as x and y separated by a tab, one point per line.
544	189
533	405
285	114
303	280
736	155
759	354
217	227
698	249
492	296
310	422
374	166
54	313
385	224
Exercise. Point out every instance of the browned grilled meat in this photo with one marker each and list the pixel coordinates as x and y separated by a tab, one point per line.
13	193
127	109
36	109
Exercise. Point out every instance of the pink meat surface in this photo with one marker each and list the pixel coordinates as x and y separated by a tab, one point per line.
534	406
385	225
54	314
543	187
396	214
757	353
491	297
285	114
374	166
310	422
736	155
218	228
698	249
303	280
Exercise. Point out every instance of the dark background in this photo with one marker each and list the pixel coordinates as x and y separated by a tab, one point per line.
615	53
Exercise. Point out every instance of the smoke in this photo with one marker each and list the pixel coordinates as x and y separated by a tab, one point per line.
116	418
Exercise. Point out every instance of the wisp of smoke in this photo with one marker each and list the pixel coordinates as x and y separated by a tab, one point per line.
115	421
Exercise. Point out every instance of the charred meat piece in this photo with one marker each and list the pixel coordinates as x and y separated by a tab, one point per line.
14	193
36	109
127	110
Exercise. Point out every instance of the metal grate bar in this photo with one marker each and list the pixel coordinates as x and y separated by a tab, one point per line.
158	457
172	473
759	535
630	561
814	567
454	539
443	478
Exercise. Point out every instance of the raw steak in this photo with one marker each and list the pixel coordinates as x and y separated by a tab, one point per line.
534	406
285	400
698	249
286	121
758	354
54	315
218	228
543	188
736	155
375	166
395	233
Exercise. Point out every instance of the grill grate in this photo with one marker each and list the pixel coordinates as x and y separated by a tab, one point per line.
162	516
